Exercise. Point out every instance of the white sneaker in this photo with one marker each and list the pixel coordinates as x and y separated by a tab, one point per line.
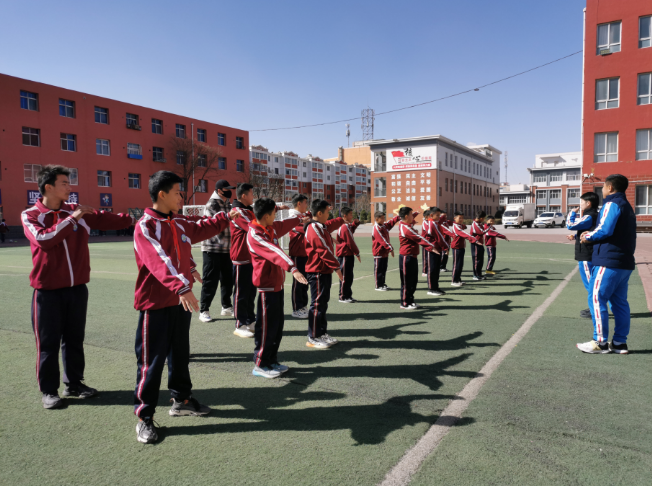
477	278
424	274
382	289
329	339
299	314
592	347
435	293
456	284
265	372
410	307
243	332
318	343
205	317
227	311
346	301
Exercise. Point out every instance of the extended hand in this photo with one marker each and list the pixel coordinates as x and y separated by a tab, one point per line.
189	302
197	277
299	277
570	237
392	252
233	214
80	211
305	220
358	257
339	274
282	207
583	237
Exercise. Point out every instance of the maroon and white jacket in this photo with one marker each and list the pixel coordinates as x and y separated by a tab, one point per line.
345	242
60	244
298	235
460	236
239	228
444	235
478	231
162	245
319	246
433	235
410	240
380	245
491	235
269	261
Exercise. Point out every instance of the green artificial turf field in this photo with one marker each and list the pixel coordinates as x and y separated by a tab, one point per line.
344	415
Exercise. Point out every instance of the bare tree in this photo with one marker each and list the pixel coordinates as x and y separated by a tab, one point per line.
363	202
193	158
267	185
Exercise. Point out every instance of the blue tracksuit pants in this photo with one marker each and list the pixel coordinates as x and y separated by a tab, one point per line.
609	286
586	269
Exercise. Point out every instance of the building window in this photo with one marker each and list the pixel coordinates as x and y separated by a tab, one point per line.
201	135
221	139
606	93
239	165
74	177
645	32
28	101
157	154
66	108
556	177
446	185
68	142
102	147
203	186
31	172
606	147
31	137
101	115
134	151
572	195
181	157
157	126
182	186
201	160
609	38
645	89
181	131
239	142
104	178
221	163
643	144
132	120
380	187
643	199
134	181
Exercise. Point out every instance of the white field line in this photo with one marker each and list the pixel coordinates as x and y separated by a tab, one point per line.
402	473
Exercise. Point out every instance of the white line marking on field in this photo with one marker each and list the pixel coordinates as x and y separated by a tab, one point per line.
402	473
365	276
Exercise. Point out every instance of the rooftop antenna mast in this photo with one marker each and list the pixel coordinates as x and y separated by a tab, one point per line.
368	117
506	153
348	134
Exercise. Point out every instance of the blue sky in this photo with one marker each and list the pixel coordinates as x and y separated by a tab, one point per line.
263	64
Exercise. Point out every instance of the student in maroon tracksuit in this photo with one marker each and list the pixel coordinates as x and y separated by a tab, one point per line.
408	259
162	246
445	224
424	231
297	252
270	264
490	242
319	271
436	237
381	248
458	244
58	235
477	248
346	250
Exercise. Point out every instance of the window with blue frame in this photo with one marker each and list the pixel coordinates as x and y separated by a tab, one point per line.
28	101
221	163
66	108
239	165
101	115
68	142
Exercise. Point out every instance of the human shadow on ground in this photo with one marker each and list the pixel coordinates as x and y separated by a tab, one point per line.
389	332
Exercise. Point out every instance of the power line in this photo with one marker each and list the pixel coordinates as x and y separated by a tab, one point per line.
425	102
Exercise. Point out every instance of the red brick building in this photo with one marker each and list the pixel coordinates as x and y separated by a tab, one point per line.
113	147
617	98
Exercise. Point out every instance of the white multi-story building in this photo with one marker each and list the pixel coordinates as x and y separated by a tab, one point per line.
555	181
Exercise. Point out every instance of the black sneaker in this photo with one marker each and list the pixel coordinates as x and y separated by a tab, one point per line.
586	313
619	348
188	407
146	431
79	391
51	400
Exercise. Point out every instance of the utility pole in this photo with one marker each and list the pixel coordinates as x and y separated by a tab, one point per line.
506	153
348	135
368	118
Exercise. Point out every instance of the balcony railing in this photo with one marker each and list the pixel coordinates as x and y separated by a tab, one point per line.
380	193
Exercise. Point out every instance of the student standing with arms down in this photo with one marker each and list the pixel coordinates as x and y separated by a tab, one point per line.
346	251
614	243
58	235
162	246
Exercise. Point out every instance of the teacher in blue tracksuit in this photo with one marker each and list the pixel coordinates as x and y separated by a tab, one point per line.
614	243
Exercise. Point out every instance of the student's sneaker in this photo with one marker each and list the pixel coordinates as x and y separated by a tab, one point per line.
436	293
424	274
443	270
410	307
318	343
51	400
329	339
298	313
79	391
456	284
281	368
146	431
205	317
619	348
243	332
188	407
266	372
227	311
490	272
383	289
593	347
347	301
586	313
477	278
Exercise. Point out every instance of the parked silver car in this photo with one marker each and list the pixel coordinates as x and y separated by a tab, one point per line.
549	220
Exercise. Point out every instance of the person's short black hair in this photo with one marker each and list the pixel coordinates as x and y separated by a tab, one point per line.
434	210
48	175
490	216
592	198
242	189
426	213
3	220
263	206
163	180
404	211
319	206
378	214
345	210
297	198
458	213
620	183
480	214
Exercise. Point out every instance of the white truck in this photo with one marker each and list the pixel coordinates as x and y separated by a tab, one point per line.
519	215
